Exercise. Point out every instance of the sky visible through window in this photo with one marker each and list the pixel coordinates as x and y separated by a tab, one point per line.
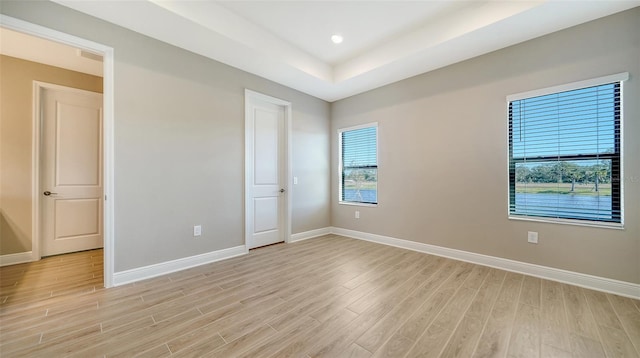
564	143
359	177
359	147
567	123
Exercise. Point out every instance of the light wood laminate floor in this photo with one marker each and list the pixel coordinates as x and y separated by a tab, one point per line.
325	297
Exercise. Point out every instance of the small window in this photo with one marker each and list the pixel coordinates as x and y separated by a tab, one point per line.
565	154
359	164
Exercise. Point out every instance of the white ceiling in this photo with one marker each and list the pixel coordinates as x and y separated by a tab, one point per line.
309	25
384	41
35	49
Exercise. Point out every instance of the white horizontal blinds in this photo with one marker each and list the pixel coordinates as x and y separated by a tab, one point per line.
564	153
359	159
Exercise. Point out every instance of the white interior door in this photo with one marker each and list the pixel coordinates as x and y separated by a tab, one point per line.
266	172
71	170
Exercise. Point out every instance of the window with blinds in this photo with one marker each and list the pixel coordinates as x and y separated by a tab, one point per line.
359	164
565	155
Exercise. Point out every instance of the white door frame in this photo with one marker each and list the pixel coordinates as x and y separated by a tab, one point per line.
108	150
250	95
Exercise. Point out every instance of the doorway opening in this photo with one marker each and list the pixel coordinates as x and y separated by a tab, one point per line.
89	48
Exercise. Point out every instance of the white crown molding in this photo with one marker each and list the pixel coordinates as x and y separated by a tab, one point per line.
163	268
231	39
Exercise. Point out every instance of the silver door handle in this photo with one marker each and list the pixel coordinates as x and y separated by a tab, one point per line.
48	193
282	190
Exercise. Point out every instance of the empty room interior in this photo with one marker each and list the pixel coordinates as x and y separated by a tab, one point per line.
319	178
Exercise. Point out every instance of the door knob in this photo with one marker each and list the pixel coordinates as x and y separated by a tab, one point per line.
48	193
282	190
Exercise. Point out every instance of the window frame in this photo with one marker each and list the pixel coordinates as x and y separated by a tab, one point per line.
620	78
341	167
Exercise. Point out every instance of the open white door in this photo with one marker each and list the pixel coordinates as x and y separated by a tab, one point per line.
72	188
266	211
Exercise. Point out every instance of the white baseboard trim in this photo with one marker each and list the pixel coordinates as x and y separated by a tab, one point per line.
310	234
163	268
621	288
13	259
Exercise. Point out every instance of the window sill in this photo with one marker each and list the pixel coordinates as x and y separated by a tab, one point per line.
596	224
357	204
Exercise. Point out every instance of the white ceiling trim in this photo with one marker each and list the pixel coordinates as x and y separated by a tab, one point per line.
226	23
432	35
211	30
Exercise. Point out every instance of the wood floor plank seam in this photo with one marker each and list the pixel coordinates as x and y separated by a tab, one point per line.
610	330
455	274
503	286
510	328
330	296
633	316
484	326
482	320
381	331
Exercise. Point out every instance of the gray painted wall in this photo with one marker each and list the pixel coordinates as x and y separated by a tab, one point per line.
179	143
443	152
179	148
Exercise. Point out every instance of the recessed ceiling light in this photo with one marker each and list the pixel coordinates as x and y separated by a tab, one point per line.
336	39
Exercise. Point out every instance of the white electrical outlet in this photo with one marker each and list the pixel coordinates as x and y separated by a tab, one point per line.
197	230
532	237
295	180
357	214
